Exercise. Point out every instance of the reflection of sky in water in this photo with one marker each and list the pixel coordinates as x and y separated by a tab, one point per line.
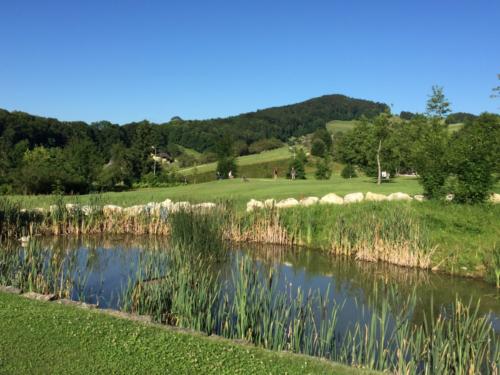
111	266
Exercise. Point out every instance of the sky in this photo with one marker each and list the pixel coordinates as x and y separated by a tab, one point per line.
131	60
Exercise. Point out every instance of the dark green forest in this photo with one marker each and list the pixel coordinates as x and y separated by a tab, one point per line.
45	155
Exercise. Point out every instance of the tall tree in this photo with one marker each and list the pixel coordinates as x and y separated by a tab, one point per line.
496	90
437	104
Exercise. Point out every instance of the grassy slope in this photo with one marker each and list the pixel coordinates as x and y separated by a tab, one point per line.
47	338
340	126
267	156
240	191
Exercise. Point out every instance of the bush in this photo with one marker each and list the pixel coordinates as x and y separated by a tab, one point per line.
323	170
264	145
299	166
348	171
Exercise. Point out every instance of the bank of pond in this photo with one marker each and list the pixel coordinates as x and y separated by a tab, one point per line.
364	314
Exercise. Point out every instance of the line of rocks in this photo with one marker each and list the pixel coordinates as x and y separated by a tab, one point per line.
333	198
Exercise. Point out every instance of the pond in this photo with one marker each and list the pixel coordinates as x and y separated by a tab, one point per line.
375	315
104	266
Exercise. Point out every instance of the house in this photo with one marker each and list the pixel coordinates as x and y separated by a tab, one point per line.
163	157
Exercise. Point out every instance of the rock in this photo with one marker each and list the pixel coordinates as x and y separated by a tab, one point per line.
399	197
205	206
253	204
181	206
111	209
153	208
331	199
40	210
40	297
53	208
269	203
419	198
9	289
495	198
374	197
287	203
449	197
87	210
353	198
134	210
309	201
167	203
82	305
71	208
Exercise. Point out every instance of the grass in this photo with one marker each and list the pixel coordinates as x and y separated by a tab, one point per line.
337	126
264	157
237	190
47	338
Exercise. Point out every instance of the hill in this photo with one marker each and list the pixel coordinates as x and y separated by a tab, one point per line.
103	155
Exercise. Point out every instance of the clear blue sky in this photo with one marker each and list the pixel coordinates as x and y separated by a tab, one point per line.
130	60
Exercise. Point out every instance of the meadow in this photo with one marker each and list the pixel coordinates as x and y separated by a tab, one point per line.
235	190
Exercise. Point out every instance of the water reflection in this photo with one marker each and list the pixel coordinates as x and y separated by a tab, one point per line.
103	267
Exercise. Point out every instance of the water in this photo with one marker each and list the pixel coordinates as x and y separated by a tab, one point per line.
103	267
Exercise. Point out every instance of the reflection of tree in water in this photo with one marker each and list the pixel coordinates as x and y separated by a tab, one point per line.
360	280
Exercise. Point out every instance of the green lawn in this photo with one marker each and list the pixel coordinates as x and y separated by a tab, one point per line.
264	157
239	191
48	338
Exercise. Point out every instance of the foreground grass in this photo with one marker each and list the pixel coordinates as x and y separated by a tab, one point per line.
238	191
47	338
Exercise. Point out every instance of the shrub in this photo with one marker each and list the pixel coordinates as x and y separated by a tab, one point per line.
348	171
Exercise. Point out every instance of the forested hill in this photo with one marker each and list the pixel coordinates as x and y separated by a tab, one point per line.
87	147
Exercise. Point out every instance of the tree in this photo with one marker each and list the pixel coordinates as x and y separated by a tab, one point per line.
474	151
496	90
323	169
318	148
437	104
226	162
298	164
430	159
348	171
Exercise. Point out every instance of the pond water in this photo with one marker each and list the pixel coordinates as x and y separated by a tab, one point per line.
105	266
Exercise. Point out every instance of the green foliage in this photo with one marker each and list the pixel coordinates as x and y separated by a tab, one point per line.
323	170
318	148
297	165
474	154
323	135
430	158
460	117
438	105
405	115
348	171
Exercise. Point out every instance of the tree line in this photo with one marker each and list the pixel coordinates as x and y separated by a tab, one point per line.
43	155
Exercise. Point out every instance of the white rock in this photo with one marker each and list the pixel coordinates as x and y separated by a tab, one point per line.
374	197
419	198
353	198
399	197
53	208
331	199
269	203
181	206
287	203
309	201
111	209
205	206
153	208
87	210
70	207
253	204
167	203
134	210
495	198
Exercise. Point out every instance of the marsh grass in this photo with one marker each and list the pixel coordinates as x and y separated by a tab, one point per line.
252	306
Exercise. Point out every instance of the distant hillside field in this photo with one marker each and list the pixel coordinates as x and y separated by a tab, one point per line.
337	126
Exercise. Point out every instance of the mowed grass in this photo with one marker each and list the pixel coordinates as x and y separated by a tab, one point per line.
238	191
48	338
264	157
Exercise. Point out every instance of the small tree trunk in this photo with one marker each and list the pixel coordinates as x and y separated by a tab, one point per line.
379	176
